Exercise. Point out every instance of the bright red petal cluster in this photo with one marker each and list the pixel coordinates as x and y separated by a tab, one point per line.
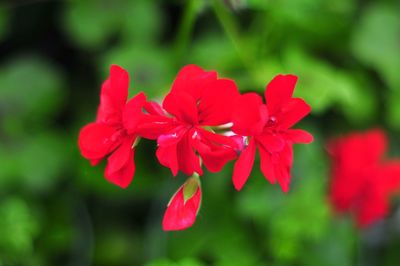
268	128
362	180
203	120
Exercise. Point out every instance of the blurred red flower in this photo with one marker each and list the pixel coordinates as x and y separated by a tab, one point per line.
183	207
197	101
113	131
268	127
362	181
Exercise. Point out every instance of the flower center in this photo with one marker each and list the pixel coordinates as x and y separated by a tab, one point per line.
271	121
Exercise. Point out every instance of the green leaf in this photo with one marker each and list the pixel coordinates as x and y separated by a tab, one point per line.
143	21
116	243
183	262
18	228
308	21
42	161
214	52
92	23
31	89
393	109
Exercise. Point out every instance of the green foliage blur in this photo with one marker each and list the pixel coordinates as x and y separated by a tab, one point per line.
55	209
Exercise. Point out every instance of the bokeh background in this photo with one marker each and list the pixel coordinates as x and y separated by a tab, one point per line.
55	209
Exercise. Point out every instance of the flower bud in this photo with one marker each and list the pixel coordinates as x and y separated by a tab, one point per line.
184	205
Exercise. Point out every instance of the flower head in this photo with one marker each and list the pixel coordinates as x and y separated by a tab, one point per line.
198	101
268	128
113	132
362	181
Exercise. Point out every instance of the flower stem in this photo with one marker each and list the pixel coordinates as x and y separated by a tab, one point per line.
229	25
185	30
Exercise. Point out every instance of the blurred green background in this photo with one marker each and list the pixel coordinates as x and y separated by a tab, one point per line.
55	209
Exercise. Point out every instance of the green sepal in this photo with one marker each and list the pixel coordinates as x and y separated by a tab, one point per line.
136	142
190	187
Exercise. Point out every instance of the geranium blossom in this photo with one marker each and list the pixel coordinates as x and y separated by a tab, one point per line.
197	101
362	180
113	132
193	127
268	127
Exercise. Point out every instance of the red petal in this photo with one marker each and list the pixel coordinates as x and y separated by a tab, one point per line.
266	165
283	164
154	108
215	160
283	176
376	142
250	115
152	126
95	140
120	156
114	93
292	112
271	142
120	167
287	155
358	150
217	139
244	165
279	91
213	156
167	156
94	162
299	136
276	166
133	113
372	209
191	79
188	161
180	214
214	108
182	106
172	137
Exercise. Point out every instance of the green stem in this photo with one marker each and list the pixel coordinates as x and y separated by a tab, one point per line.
185	30
230	28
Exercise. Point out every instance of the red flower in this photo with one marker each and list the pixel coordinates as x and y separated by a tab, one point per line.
354	158
268	127
114	130
373	203
361	182
183	207
198	100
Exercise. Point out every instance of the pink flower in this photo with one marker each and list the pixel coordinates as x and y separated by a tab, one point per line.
268	127
183	207
113	132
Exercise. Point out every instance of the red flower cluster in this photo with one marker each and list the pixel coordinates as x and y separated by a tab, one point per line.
185	127
362	181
